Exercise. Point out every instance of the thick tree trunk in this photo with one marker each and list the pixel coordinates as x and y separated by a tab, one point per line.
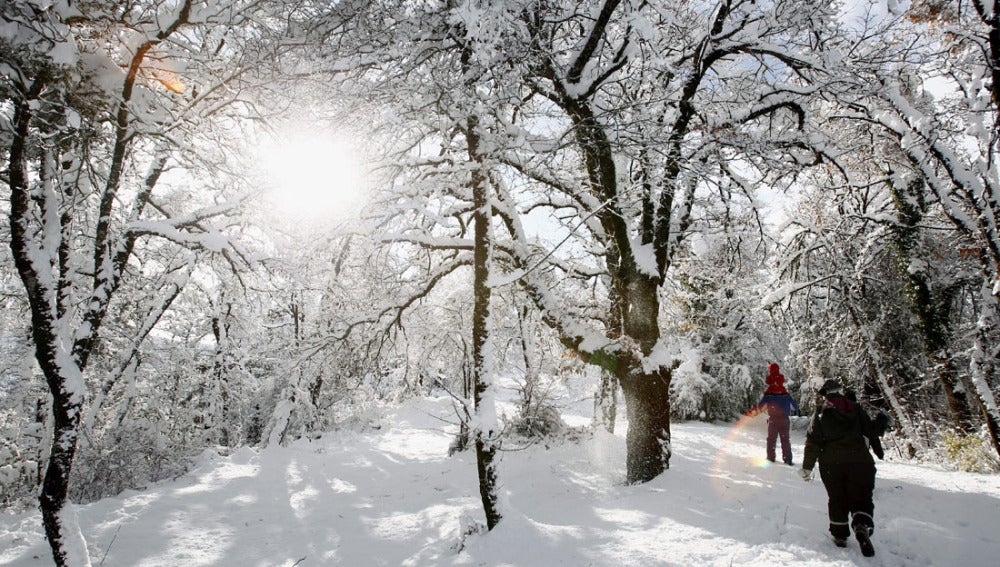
634	307
647	403
646	392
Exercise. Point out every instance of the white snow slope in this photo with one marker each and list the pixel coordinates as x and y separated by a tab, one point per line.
391	496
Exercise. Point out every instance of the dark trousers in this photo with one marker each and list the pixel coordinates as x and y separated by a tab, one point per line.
777	426
850	487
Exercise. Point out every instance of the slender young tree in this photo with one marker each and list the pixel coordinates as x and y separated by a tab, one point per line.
486	431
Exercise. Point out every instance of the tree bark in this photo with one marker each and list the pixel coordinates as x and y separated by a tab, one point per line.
647	403
63	536
646	391
634	306
61	371
486	433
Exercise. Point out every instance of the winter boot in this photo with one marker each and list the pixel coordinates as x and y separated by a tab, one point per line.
840	541
864	541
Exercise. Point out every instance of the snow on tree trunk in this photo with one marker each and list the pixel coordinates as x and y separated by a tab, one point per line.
35	251
982	367
486	427
58	516
606	402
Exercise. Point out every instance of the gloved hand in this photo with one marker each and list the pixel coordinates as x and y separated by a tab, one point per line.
806	474
883	423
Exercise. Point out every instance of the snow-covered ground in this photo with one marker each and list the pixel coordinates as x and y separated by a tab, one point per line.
391	496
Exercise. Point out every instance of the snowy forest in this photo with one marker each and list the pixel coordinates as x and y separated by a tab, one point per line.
238	225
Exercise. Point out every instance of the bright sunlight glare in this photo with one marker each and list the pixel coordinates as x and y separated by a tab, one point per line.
312	176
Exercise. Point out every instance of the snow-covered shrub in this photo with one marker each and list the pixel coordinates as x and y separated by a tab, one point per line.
127	457
23	444
18	477
538	420
734	392
706	386
538	397
970	453
688	386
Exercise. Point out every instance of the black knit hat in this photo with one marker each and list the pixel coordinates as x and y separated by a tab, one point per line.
830	387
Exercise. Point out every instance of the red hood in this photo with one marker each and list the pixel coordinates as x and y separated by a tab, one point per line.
841	403
775	380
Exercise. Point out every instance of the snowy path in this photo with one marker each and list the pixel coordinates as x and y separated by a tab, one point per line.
391	497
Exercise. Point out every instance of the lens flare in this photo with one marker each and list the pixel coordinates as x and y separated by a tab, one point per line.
164	71
738	456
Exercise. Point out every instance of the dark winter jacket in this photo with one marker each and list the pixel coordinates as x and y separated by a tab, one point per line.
777	405
840	432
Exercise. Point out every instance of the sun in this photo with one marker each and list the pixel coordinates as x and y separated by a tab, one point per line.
312	176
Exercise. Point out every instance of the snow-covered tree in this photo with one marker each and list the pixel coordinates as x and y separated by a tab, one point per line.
658	102
928	79
601	121
113	119
719	335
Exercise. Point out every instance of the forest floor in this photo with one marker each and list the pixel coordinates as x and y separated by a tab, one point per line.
388	495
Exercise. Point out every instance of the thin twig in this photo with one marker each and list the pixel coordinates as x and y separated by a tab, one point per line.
109	545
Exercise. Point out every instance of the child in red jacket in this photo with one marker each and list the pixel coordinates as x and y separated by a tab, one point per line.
780	405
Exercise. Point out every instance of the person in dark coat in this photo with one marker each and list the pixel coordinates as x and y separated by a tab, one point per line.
838	438
779	405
